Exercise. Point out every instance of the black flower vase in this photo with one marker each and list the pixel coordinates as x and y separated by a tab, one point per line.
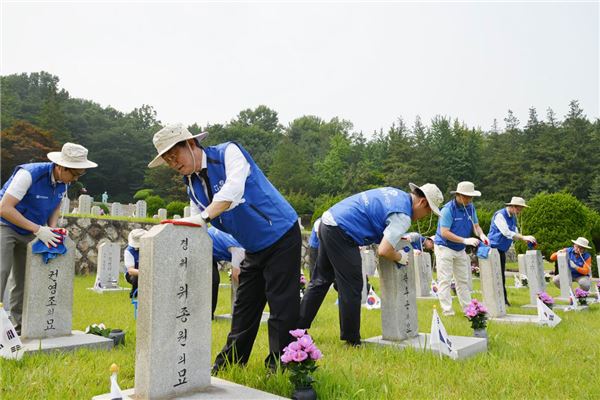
304	393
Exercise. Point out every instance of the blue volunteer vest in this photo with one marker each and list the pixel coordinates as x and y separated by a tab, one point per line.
313	240
363	215
262	219
42	198
461	225
419	243
136	255
221	243
497	239
574	258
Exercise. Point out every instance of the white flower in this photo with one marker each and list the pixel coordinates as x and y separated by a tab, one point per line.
87	330
101	326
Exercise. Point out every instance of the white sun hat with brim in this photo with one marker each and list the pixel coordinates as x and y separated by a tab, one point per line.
583	242
432	193
517	201
72	156
134	237
168	137
466	188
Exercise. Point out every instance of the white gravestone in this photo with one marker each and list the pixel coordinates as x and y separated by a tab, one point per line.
109	261
176	216
116	210
173	346
493	293
186	211
48	304
534	265
140	209
564	276
65	205
95	210
162	213
399	312
522	266
423	275
85	204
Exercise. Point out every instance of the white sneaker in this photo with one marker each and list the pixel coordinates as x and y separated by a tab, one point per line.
448	313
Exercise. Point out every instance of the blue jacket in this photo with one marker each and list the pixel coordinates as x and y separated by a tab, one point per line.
497	239
221	243
262	219
136	255
573	258
363	216
42	198
462	224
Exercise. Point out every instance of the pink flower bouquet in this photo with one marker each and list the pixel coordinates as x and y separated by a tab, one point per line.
581	296
477	314
300	359
546	299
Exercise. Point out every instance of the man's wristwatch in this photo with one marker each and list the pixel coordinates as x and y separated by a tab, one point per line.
204	215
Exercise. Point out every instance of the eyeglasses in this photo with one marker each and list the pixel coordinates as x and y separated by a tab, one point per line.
76	173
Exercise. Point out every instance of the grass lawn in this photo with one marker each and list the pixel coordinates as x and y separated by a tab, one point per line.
523	361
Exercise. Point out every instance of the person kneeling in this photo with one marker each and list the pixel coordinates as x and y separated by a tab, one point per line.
579	262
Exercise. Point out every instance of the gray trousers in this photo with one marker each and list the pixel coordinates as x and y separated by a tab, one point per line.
584	282
13	251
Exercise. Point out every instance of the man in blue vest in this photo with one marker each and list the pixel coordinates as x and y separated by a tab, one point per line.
504	229
131	259
225	248
232	193
458	219
30	208
381	216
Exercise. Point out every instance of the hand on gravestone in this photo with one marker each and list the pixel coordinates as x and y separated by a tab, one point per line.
48	237
194	221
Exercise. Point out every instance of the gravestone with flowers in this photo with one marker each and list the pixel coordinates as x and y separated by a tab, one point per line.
399	311
534	266
493	293
564	276
173	345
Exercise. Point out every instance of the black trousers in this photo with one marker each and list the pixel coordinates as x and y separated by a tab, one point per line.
312	260
338	259
503	269
133	280
216	279
269	276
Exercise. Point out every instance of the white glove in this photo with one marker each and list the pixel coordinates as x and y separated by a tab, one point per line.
403	258
412	236
46	236
484	239
529	239
471	242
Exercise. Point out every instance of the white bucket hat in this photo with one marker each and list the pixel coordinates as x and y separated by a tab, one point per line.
466	188
168	137
134	237
72	156
517	201
432	193
583	242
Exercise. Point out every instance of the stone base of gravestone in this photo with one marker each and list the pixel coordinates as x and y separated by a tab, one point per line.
464	346
517	319
108	290
219	389
75	341
224	285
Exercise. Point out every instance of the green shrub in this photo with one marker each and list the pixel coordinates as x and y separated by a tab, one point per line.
176	207
324	203
302	203
153	203
143	194
555	219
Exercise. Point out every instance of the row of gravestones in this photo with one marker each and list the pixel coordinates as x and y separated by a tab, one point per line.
174	358
138	210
